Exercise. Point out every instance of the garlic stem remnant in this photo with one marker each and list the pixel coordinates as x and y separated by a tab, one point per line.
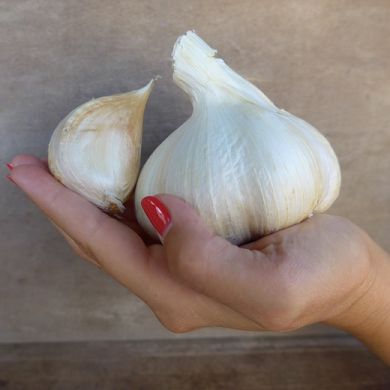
248	167
95	150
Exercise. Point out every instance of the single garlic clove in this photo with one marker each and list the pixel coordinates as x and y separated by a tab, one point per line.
95	150
247	167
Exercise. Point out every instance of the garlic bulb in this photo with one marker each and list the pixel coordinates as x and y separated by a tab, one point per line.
248	167
95	150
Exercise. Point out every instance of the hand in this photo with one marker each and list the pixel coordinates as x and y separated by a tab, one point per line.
310	272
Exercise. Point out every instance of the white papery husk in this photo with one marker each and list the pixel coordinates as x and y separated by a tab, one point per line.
95	150
246	166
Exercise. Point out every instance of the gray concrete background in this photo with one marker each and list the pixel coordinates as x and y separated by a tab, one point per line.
327	61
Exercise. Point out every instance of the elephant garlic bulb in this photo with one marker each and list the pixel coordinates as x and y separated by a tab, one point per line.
248	167
95	150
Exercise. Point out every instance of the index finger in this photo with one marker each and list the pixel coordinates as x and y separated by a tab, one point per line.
118	249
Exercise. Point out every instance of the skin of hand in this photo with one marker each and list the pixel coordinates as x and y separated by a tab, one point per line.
324	269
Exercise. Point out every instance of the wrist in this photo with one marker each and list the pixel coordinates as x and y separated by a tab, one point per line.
368	317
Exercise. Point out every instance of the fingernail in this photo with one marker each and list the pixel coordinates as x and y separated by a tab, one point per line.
10	166
10	178
157	213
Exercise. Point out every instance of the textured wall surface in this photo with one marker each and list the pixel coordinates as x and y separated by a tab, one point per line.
326	61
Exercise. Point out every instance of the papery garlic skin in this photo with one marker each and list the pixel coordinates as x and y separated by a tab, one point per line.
246	166
95	150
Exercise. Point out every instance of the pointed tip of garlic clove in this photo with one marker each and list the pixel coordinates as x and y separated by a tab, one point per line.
96	149
147	89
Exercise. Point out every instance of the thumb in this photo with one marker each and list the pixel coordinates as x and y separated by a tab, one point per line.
205	261
185	224
244	280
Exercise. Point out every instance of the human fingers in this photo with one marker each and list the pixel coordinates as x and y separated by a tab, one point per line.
98	233
78	249
94	235
26	159
239	278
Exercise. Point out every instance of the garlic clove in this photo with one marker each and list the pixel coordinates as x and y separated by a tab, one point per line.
95	150
247	167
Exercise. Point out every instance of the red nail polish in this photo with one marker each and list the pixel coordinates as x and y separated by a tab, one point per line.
10	178
10	166
157	213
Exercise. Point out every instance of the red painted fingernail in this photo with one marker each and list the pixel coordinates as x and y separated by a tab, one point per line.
10	166
10	178
157	213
